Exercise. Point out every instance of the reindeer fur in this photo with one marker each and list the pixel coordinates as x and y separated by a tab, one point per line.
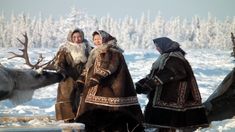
18	85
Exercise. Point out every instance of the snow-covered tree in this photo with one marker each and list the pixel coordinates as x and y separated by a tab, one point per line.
130	33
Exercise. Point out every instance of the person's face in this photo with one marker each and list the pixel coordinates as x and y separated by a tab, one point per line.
97	40
77	38
158	49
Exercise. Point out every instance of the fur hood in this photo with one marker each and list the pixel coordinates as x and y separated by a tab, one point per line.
77	51
104	48
69	37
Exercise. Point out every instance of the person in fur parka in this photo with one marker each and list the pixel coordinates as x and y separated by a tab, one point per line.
70	61
109	102
174	97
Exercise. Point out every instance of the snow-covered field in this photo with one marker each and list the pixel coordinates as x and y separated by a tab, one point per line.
209	65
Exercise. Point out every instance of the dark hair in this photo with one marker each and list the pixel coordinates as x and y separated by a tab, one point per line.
78	31
94	33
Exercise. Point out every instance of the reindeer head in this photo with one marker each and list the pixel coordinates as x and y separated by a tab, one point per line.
31	79
18	85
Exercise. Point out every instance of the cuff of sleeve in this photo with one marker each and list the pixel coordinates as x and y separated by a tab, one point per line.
94	79
157	80
103	72
80	81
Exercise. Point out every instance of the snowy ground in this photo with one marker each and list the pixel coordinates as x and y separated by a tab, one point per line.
209	65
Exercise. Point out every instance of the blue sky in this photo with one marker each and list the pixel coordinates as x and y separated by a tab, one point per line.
121	8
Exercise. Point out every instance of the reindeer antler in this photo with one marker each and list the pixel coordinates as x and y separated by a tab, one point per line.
233	39
48	65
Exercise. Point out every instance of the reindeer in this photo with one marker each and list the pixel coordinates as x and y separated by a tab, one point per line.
18	85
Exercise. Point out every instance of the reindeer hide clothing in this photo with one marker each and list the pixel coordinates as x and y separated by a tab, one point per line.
63	106
174	97
109	97
70	61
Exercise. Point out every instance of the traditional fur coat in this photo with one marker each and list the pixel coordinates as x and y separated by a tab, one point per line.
174	97
109	98
70	61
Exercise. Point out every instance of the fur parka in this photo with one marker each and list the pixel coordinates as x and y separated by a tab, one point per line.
173	93
70	61
109	96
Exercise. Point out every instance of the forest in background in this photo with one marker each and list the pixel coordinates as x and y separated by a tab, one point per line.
131	33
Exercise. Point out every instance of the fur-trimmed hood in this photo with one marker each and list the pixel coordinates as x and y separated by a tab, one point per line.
69	37
106	37
77	51
110	45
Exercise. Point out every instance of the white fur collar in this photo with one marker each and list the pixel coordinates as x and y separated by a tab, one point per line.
77	51
101	49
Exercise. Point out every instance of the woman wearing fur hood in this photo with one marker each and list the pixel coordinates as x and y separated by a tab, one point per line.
109	102
70	61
